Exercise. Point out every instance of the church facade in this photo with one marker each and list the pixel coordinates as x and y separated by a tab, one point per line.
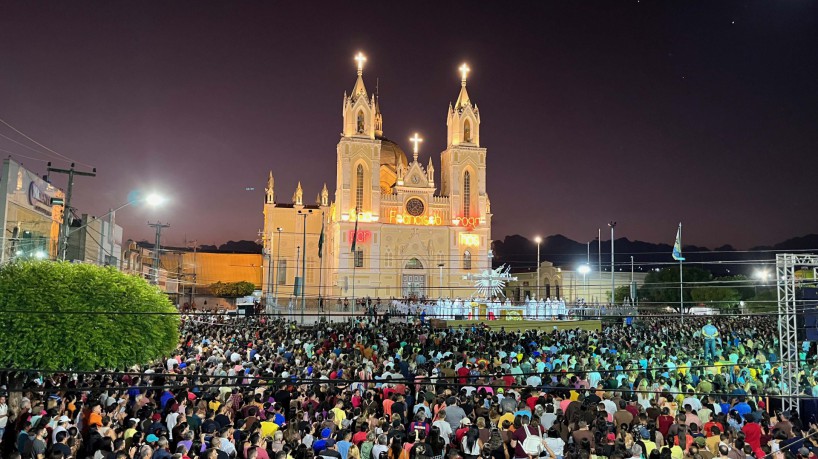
391	229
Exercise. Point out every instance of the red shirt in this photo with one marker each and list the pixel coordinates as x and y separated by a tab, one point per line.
531	402
462	372
664	424
710	425
359	438
752	431
509	380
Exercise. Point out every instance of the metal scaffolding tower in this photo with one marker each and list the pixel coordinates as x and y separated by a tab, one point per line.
785	267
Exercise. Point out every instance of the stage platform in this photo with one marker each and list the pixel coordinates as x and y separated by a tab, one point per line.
516	325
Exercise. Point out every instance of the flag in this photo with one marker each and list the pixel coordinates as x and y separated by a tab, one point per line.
321	239
355	234
677	247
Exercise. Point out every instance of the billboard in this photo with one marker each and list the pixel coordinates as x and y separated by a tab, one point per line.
29	222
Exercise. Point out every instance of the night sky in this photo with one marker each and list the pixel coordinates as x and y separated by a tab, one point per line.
644	112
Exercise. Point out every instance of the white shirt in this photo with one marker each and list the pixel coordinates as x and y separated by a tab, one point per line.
445	429
4	410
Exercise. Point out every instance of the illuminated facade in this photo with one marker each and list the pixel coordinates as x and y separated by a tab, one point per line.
413	237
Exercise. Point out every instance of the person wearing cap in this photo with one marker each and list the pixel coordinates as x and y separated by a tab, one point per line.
62	425
700	444
330	451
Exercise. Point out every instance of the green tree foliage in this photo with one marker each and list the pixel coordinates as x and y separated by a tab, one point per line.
662	288
232	289
64	316
740	283
716	296
621	292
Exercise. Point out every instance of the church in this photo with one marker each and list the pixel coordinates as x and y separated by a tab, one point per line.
391	230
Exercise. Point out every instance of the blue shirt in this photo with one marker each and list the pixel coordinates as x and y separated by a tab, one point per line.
710	331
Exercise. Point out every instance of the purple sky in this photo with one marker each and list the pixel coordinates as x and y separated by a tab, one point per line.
644	112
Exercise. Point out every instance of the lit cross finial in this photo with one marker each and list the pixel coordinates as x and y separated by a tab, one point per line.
464	72
360	58
415	140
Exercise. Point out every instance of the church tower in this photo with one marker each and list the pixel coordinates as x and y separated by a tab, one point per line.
463	163
358	153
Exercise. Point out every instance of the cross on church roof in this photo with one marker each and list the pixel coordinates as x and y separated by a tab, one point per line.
360	58
415	140
464	72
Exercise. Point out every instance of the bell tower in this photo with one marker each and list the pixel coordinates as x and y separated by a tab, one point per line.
358	152
463	163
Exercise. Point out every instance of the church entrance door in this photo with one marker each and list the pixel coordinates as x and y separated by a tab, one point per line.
413	283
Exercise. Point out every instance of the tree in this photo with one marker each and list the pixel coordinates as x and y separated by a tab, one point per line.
621	292
716	296
662	288
65	316
232	289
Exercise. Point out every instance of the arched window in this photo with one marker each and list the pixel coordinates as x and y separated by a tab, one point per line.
467	194
413	263
360	122
467	131
466	260
359	188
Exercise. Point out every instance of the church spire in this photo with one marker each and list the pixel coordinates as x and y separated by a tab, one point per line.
270	189
298	196
463	97
359	88
324	196
378	116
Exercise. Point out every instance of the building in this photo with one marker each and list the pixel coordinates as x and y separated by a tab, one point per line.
594	287
29	219
95	240
413	235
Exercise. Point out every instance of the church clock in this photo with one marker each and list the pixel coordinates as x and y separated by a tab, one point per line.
415	207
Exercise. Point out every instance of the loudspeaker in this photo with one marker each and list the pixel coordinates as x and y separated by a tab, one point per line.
807	306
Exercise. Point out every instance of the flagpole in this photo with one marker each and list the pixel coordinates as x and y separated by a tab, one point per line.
681	280
354	260
321	269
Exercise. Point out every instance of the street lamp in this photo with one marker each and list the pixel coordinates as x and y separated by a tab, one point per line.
278	268
538	240
763	276
304	213
584	270
151	199
440	288
612	224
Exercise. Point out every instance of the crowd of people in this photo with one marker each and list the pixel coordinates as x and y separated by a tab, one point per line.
261	387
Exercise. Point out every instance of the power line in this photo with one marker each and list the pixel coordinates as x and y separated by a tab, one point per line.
66	158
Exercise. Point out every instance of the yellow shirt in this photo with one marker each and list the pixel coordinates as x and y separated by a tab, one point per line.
340	415
268	429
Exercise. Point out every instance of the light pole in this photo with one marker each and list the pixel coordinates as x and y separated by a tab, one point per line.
156	247
612	224
584	270
151	199
440	288
278	268
762	275
304	260
538	240
633	285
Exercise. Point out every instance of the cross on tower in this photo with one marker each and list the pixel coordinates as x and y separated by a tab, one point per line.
360	58
464	72
415	140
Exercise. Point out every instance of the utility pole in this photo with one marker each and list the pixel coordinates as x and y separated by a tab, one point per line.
158	226
62	242
111	256
193	286
612	224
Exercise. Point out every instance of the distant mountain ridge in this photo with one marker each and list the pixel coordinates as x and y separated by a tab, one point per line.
521	253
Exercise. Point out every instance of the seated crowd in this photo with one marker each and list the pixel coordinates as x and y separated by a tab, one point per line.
260	389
